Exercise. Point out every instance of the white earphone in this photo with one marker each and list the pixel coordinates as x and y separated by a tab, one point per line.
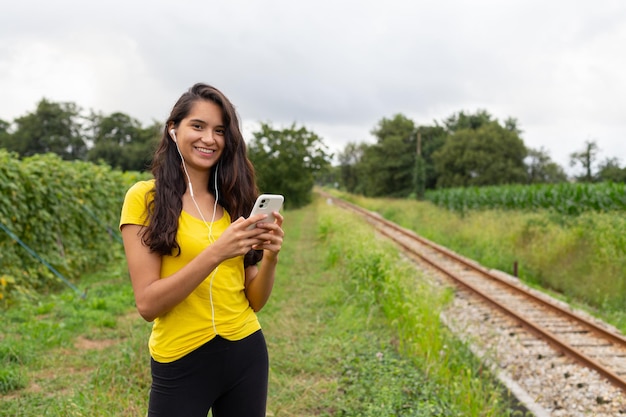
208	225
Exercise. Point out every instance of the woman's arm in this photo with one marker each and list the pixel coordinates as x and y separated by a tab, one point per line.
260	279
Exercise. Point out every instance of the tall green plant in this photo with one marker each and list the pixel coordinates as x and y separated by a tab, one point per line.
65	212
563	198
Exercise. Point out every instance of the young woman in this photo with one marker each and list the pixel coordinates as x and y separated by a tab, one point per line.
194	265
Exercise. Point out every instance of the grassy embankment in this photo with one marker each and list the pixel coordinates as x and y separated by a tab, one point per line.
581	258
350	327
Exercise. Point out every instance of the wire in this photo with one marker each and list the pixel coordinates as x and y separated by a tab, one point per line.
43	261
209	226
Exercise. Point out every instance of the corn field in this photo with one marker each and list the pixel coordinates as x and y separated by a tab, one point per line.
565	198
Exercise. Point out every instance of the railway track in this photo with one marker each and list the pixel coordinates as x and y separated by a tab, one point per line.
587	342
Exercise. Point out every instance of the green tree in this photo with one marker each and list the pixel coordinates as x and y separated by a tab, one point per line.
53	127
330	177
120	141
398	164
487	155
586	158
461	121
609	170
141	148
5	136
287	161
541	168
389	164
511	124
349	164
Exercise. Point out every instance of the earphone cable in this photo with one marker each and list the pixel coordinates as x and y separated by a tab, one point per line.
209	226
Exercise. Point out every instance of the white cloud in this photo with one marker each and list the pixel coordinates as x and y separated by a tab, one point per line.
337	67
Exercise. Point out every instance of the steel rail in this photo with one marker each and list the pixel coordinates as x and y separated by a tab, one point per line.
544	334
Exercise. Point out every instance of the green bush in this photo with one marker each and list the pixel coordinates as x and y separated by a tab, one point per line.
66	212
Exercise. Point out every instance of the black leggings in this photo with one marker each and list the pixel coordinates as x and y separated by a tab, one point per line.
229	377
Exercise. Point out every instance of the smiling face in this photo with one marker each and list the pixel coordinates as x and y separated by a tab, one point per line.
200	135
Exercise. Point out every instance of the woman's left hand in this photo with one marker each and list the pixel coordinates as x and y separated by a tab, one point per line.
272	237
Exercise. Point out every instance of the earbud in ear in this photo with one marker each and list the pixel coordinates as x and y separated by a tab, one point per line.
173	134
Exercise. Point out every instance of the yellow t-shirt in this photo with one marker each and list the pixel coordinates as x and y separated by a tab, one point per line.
189	325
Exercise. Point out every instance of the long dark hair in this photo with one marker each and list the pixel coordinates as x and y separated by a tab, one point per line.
235	182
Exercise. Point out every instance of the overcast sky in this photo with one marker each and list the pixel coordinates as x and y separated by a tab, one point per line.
336	67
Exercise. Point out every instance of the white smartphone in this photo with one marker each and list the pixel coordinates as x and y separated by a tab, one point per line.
267	204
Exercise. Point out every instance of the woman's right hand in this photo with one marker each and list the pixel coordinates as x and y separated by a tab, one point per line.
237	240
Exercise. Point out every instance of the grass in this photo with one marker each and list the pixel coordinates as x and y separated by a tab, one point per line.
580	259
351	331
75	357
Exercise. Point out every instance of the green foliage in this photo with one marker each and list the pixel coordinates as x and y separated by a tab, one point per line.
431	139
388	165
542	170
5	136
563	198
11	379
379	280
52	127
463	121
91	354
121	142
488	155
116	140
465	150
332	351
398	164
66	212
609	170
586	158
582	257
383	383
287	162
350	169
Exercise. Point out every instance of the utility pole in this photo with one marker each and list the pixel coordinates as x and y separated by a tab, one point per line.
420	170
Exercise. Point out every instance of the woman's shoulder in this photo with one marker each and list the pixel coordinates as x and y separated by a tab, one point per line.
140	193
141	187
135	203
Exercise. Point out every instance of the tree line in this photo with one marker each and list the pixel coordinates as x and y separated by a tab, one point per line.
287	161
63	128
465	149
406	159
